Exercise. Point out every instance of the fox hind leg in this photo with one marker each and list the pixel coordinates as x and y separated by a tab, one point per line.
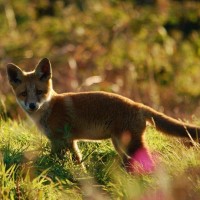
126	145
133	152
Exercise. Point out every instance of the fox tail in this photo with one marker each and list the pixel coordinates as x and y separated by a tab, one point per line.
171	126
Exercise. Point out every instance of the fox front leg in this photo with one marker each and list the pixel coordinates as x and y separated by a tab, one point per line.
59	148
76	154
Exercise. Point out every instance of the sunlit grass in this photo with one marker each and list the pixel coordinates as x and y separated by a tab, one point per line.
27	171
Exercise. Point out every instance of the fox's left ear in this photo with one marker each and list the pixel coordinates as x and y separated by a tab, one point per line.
15	74
43	70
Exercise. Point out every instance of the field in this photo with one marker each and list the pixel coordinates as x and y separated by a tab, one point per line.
146	50
28	171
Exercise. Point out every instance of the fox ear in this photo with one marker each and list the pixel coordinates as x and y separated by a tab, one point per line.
15	74
43	69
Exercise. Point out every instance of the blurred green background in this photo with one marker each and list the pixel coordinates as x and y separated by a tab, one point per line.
146	50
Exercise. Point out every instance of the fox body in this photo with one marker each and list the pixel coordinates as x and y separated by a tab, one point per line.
69	117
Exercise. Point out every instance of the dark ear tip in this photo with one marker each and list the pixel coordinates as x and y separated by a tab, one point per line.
11	66
45	60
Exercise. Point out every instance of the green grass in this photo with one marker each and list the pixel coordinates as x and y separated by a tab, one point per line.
27	171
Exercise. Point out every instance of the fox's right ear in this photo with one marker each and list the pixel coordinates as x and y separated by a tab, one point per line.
15	74
43	70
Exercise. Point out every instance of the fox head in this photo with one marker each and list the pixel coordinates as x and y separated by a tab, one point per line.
32	89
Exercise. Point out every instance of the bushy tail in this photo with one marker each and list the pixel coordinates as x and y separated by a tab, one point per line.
169	125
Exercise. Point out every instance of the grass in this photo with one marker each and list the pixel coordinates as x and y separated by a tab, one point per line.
27	171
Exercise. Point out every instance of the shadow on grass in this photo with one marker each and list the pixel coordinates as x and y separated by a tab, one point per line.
36	162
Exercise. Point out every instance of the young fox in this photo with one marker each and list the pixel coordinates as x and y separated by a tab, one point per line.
66	118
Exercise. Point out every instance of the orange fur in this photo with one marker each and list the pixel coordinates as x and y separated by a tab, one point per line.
66	118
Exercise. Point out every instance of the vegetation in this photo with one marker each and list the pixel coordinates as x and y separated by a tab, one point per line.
28	171
146	50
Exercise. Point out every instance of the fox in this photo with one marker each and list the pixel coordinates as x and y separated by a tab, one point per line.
70	117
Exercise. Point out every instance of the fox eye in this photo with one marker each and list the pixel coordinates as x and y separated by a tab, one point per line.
24	94
38	92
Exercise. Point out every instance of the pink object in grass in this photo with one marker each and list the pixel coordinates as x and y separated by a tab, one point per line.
141	162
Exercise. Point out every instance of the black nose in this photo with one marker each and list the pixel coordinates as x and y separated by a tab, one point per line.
32	106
